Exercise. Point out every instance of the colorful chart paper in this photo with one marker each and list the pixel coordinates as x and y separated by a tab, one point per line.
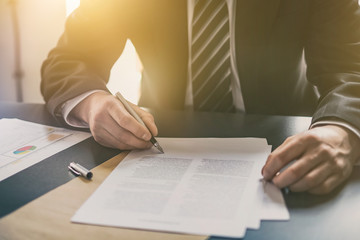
24	150
22	144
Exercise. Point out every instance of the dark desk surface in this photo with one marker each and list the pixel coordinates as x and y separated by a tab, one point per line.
334	216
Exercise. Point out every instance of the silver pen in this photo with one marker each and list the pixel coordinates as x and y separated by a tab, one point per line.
79	170
136	116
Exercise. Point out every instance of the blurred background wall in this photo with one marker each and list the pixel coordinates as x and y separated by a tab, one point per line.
40	24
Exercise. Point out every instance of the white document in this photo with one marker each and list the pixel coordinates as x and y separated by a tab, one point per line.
269	205
203	186
23	144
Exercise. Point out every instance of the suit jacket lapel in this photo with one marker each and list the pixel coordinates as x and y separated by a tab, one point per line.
254	21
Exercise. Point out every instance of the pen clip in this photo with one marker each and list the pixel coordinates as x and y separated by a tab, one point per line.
74	171
80	170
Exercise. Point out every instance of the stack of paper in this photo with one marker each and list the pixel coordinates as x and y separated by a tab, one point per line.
205	186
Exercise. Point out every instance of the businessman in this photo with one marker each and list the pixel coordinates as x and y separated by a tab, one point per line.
270	57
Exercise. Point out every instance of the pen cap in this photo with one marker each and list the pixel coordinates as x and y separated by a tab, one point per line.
83	171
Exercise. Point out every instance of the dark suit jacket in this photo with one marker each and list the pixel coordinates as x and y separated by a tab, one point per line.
271	39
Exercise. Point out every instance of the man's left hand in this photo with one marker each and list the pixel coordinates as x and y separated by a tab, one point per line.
324	158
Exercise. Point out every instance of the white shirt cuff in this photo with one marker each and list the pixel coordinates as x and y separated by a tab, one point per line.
70	104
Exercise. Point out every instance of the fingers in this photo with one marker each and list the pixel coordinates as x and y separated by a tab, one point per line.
312	179
110	134
108	140
294	172
324	178
124	119
147	118
322	159
290	150
328	185
306	168
112	125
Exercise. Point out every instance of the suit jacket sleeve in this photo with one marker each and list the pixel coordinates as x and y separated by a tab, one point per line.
93	39
333	58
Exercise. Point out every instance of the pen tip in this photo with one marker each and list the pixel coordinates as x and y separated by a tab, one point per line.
160	149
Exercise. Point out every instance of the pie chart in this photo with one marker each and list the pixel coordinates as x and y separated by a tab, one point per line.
24	150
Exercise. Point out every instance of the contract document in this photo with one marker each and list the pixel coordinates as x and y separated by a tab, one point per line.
205	186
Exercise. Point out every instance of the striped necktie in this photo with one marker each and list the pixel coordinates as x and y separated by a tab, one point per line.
210	57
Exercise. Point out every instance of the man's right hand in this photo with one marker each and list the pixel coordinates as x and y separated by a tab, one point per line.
111	125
